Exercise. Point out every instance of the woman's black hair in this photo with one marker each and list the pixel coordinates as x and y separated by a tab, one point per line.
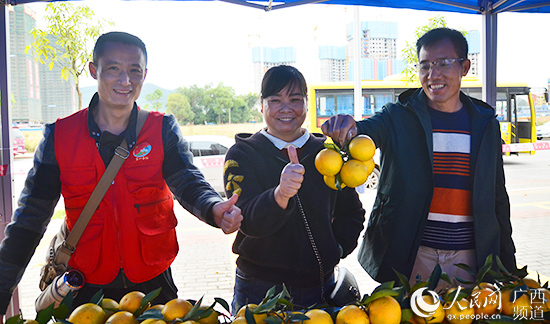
279	77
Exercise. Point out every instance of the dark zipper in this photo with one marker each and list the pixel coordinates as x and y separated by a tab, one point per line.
150	203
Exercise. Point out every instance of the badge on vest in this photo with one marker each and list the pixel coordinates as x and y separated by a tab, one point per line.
141	150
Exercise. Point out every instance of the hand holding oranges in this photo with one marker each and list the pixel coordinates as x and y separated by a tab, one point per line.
348	167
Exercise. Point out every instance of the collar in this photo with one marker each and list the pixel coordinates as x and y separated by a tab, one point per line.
95	132
280	144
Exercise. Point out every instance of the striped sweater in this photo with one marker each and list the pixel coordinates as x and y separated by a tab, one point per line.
450	222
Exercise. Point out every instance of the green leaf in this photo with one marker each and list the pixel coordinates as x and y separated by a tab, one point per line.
194	310
294	318
384	286
43	316
332	146
380	294
223	303
445	277
339	182
403	280
501	265
146	301
15	319
273	320
63	310
97	298
150	313
267	306
249	316
434	277
406	314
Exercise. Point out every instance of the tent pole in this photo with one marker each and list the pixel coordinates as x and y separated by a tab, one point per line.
6	157
357	89
489	58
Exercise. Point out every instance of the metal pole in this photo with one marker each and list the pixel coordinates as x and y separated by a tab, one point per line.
6	156
489	58
357	89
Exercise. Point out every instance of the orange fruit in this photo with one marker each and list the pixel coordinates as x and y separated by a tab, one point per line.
330	181
512	302
259	318
436	317
459	312
354	173
240	320
157	306
153	321
122	317
318	316
210	319
110	306
328	162
175	308
384	310
370	165
352	314
541	298
484	301
531	283
88	313
362	148
131	301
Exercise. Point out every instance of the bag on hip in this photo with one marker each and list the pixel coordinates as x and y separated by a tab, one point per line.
346	289
56	265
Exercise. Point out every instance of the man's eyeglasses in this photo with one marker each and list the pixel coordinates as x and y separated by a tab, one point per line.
441	65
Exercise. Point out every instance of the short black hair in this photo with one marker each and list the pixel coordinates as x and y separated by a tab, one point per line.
438	34
120	38
281	76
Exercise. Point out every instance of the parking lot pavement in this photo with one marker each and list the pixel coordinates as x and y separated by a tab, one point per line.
205	265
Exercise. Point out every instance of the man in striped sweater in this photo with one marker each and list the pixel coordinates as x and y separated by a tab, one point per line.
441	198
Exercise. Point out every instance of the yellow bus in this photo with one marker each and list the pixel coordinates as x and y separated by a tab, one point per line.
514	106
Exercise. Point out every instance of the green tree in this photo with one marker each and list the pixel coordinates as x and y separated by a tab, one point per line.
71	28
178	105
244	109
409	52
218	102
196	100
155	98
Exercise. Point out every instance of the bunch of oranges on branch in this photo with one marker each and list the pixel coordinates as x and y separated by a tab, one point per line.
349	166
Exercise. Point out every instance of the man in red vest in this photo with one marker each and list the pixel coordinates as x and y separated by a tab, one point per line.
130	240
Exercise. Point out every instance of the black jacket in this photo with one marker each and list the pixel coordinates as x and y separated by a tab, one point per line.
403	132
272	243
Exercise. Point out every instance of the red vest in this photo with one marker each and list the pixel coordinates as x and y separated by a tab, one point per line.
134	225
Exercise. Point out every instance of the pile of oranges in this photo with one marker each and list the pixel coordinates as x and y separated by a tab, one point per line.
349	166
383	310
134	308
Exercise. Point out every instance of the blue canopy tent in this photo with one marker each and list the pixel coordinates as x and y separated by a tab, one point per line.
487	10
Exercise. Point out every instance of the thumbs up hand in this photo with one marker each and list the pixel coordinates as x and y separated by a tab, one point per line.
228	216
292	177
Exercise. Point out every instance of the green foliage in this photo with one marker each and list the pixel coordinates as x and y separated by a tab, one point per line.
155	99
66	39
212	105
178	105
409	52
